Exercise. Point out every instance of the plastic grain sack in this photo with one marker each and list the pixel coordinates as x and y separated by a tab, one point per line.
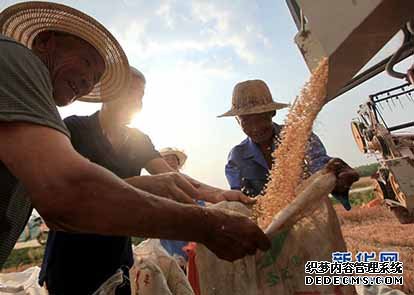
218	276
377	290
21	283
110	286
281	270
156	272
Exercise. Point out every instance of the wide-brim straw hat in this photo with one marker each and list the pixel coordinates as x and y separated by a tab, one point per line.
182	157
252	97
24	21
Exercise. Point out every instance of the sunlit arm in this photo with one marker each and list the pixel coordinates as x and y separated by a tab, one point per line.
204	192
73	194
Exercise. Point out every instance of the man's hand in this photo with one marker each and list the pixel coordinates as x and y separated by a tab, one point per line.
346	176
234	195
170	185
232	236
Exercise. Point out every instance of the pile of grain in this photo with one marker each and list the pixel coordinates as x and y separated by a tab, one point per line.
286	172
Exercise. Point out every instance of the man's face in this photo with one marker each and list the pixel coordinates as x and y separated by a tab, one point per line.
125	108
259	127
136	93
77	68
172	161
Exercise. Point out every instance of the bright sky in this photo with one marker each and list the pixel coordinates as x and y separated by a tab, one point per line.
193	53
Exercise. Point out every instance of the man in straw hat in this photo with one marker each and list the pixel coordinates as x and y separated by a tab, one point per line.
73	57
174	157
249	162
105	139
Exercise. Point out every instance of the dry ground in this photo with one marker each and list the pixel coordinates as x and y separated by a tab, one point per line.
376	229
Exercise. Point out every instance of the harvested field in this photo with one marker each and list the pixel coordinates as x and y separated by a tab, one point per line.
363	182
376	229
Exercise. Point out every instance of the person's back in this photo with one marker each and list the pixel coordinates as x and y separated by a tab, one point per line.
82	262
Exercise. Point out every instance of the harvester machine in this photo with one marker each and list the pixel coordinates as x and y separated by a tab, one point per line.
350	33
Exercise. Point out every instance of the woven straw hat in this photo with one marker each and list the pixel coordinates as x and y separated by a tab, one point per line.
182	157
252	97
24	21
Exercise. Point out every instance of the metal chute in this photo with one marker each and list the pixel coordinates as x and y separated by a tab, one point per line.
349	33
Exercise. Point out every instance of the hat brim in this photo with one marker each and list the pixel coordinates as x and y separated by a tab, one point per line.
24	21
255	110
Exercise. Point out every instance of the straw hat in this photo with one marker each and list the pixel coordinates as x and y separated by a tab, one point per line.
24	21
252	97
182	157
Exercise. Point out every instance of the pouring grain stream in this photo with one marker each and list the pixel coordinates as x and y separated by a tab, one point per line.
286	173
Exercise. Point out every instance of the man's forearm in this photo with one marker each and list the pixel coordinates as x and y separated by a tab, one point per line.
207	193
156	166
99	202
73	194
139	182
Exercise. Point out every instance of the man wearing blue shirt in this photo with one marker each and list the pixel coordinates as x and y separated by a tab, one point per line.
249	162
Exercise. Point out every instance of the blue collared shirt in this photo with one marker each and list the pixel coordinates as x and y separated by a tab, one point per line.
247	169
